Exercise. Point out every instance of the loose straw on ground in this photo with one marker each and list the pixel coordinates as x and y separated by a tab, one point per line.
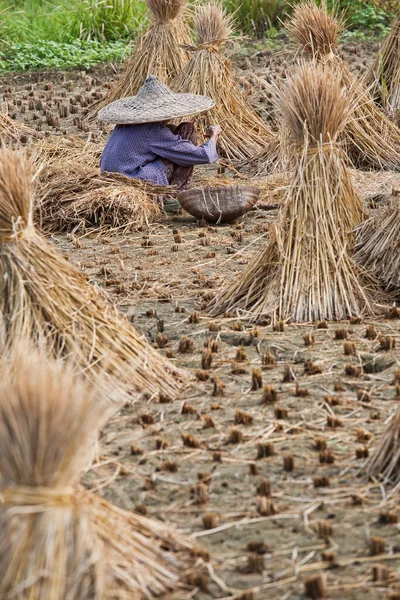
158	52
372	140
14	131
383	77
378	244
209	73
46	300
305	272
59	540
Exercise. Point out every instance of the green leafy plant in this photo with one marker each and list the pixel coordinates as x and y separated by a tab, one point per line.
60	55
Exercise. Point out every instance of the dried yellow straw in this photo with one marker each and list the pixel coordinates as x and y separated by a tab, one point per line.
48	425
378	245
46	300
209	73
13	131
158	52
85	198
61	541
385	460
304	272
372	140
383	77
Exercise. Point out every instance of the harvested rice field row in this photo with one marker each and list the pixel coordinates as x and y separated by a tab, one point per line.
261	459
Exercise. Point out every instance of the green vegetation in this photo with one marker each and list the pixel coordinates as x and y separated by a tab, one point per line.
41	34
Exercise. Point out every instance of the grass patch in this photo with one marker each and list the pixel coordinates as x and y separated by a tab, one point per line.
60	55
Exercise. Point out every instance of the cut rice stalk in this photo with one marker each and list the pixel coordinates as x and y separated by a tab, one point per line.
209	73
305	273
158	52
46	300
371	139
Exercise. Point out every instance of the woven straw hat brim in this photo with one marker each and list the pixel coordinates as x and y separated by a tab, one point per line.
134	110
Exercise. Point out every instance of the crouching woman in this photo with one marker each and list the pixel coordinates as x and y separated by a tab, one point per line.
144	146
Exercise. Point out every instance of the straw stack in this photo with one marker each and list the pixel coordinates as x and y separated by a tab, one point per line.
82	198
48	425
59	540
209	73
378	244
158	52
305	273
46	300
383	77
385	461
372	140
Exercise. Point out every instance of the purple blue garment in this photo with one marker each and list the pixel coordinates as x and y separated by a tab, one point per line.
138	151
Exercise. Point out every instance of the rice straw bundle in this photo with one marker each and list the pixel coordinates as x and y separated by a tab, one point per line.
385	461
135	548
82	197
383	77
209	72
378	245
305	273
48	425
46	300
158	52
372	140
59	540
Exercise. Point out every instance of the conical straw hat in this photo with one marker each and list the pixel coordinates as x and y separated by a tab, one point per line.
154	102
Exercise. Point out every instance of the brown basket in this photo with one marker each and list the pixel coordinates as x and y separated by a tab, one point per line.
219	204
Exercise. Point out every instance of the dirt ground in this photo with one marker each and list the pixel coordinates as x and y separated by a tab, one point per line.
274	491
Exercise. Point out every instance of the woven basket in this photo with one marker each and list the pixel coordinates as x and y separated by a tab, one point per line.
219	204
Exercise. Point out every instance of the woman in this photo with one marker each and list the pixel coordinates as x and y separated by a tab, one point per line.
143	146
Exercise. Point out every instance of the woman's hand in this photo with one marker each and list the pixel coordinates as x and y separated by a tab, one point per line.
214	131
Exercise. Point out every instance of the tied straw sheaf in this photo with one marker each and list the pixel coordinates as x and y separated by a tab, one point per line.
371	139
385	460
378	244
305	272
46	300
209	73
59	540
383	77
158	52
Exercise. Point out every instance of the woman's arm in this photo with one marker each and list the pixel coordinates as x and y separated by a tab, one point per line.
182	152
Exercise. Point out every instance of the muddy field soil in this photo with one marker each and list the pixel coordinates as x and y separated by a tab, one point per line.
270	483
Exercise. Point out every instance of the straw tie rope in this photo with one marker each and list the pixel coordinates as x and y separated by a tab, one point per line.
20	230
38	496
324	148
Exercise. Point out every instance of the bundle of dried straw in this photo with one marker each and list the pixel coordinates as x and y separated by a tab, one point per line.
158	52
82	197
385	461
48	425
45	299
372	140
378	244
60	540
304	272
383	77
209	73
